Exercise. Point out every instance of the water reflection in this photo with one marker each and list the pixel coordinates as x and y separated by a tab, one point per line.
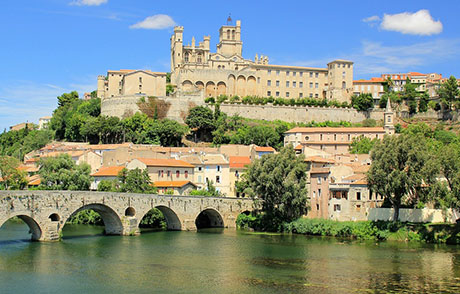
220	261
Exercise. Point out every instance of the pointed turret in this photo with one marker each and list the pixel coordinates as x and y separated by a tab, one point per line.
388	119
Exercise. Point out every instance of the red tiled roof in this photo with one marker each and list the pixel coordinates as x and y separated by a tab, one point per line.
335	130
34	180
165	162
264	149
239	161
108	171
171	184
319	159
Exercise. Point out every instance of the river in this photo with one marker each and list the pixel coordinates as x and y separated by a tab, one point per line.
219	261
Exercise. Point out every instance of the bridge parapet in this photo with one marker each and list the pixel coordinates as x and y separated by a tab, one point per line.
46	212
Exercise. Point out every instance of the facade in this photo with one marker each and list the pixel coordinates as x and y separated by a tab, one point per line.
332	140
131	83
168	170
238	166
175	187
373	86
105	173
43	122
226	72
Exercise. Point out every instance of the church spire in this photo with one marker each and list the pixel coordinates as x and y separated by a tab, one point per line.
388	118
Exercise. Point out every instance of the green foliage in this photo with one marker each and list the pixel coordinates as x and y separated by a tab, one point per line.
11	177
278	182
201	120
362	145
169	89
449	92
67	98
362	102
154	219
86	217
256	100
19	143
400	165
423	102
409	94
135	181
369	123
108	186
61	173
210	191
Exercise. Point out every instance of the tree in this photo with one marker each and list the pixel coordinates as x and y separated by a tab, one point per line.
11	177
61	173
401	165
449	92
278	182
201	120
362	145
423	102
448	192
135	181
410	94
362	102
108	186
67	98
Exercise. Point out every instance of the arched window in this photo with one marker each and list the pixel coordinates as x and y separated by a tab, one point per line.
228	34
177	174
186	57
186	174
199	60
344	85
233	35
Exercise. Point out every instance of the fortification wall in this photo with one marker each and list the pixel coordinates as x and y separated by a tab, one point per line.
297	113
120	106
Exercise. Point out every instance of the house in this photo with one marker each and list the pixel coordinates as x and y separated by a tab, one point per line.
105	173
217	171
260	151
175	187
238	166
164	169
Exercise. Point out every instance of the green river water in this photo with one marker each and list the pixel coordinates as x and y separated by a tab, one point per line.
219	261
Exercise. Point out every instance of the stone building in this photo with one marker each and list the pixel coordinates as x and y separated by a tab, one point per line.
131	83
226	72
164	170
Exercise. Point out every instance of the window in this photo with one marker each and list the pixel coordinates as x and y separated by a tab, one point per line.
199	60
300	95
349	137
287	84
293	84
200	168
343	74
233	35
140	80
311	85
277	94
287	94
218	168
269	93
269	71
186	57
316	85
316	95
358	208
258	80
177	173
186	174
300	84
317	206
311	74
159	173
277	83
217	179
316	75
228	34
319	193
237	175
140	87
301	74
168	173
269	83
319	180
358	195
199	179
335	137
311	95
337	207
162	173
314	194
321	137
370	195
277	72
293	73
287	73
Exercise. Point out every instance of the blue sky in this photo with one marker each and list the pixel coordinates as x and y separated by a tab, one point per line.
53	46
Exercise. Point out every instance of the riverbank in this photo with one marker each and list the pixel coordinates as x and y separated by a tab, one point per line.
362	230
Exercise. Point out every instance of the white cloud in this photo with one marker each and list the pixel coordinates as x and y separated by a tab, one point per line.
155	22
373	18
88	2
418	23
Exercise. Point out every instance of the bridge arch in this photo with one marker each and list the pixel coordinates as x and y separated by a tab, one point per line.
34	226
209	218
173	222
112	221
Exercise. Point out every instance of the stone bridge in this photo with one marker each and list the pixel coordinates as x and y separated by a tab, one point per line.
46	212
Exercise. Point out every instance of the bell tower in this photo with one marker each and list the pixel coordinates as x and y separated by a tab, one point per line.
388	117
230	39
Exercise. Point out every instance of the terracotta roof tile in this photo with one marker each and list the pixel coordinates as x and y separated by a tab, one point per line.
320	170
335	130
239	161
172	184
264	149
165	162
108	171
319	159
